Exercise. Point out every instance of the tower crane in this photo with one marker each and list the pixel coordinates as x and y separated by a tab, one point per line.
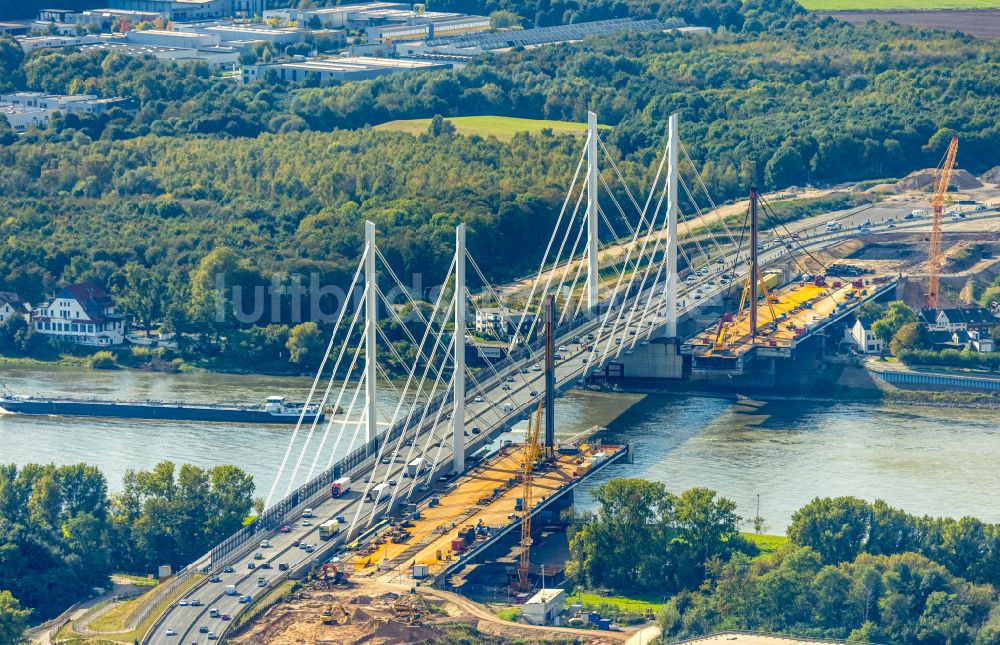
935	261
531	450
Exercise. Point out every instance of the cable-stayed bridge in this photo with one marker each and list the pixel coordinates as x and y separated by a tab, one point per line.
609	282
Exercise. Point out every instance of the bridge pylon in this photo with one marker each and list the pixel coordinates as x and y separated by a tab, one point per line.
593	277
670	329
458	414
371	331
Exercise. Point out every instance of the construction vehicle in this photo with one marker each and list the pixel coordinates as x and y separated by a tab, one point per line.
332	576
411	611
531	452
935	260
334	615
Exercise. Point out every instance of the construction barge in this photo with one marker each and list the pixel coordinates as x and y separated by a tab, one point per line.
477	511
274	410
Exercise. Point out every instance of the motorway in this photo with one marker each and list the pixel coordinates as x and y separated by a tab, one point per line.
499	399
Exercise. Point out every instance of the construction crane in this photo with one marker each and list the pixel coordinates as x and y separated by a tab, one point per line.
531	450
755	280
935	261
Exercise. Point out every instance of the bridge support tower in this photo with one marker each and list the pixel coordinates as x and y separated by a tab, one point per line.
458	416
593	297
371	320
670	330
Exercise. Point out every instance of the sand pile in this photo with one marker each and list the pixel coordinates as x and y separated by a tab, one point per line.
924	180
991	176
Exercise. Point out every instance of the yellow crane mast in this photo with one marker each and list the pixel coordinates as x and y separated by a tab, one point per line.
531	450
935	260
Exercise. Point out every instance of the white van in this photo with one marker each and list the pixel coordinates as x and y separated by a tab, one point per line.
231	590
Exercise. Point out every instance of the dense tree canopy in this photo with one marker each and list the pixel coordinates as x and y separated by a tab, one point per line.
61	534
646	539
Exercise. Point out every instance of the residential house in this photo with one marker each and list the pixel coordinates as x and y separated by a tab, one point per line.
981	342
959	319
861	335
502	323
11	305
81	313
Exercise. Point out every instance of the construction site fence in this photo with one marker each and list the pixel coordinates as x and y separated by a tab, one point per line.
155	597
53	624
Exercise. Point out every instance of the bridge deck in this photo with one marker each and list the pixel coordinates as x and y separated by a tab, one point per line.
799	308
487	494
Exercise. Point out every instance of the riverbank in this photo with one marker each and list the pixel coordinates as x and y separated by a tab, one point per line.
971	400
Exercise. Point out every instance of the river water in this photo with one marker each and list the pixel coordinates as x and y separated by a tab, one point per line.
925	460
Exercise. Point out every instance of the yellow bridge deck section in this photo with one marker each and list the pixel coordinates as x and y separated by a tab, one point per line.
797	308
486	494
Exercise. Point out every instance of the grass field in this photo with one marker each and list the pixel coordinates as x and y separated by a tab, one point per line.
501	127
621	603
876	5
766	543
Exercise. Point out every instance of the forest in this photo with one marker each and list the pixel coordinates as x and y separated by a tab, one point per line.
137	199
62	533
850	570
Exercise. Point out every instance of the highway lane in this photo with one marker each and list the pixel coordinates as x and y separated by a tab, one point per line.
487	409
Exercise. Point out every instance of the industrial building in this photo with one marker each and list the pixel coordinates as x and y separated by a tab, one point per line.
471	45
227	33
423	26
348	15
339	69
181	10
25	110
220	58
164	38
544	607
21	118
66	103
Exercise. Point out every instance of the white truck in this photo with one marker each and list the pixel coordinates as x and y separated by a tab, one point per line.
378	493
416	467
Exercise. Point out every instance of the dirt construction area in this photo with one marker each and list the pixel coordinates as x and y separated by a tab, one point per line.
378	613
981	23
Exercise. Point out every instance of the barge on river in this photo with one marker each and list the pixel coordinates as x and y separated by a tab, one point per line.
275	409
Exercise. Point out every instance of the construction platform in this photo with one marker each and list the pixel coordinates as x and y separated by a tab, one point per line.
794	312
479	508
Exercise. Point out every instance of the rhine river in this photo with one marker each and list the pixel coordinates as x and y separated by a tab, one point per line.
934	461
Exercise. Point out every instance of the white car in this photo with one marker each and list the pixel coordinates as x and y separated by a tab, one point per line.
171	632
478	399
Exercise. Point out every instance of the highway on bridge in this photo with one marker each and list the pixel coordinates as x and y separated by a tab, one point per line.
502	398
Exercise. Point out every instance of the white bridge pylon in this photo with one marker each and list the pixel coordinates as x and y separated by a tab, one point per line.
630	253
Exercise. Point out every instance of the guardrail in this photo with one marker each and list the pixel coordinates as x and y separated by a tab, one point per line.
53	623
156	596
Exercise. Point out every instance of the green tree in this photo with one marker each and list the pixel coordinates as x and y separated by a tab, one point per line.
896	315
13	619
910	336
836	528
503	19
306	344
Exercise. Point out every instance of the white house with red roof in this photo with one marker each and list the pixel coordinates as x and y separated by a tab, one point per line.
81	313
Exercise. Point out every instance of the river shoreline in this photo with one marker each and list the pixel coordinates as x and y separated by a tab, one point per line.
915	398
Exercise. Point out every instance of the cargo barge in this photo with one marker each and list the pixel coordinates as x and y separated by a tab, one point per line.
274	410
